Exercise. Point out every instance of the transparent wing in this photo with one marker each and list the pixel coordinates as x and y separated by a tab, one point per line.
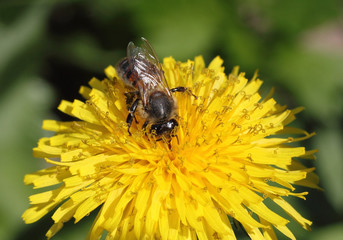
146	67
151	53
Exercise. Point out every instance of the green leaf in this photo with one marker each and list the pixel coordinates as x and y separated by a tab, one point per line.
314	78
85	52
22	111
334	231
288	18
182	29
21	34
24	100
329	141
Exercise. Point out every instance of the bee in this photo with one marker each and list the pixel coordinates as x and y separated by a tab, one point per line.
141	71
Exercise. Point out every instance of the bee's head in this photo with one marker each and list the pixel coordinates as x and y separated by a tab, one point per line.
164	127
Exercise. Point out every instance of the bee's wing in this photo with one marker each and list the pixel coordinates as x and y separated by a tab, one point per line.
150	52
144	64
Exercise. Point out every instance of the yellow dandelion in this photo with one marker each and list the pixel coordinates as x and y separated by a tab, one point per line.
230	155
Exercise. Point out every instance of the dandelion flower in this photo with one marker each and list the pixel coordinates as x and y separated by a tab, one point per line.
230	161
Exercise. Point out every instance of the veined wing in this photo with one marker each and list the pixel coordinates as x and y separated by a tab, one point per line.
147	69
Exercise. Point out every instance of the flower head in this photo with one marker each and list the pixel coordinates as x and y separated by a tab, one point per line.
229	156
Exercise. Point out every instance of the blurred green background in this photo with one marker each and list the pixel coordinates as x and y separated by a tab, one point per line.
49	48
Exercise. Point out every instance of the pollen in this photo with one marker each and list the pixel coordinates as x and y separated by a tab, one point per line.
229	158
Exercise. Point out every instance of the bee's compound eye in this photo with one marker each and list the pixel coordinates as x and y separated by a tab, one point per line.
172	123
164	128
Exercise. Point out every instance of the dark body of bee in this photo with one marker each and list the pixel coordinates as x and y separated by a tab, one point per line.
142	72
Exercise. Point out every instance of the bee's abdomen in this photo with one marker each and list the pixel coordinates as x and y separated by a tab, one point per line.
124	72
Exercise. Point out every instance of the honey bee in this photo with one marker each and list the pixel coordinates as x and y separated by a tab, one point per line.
141	71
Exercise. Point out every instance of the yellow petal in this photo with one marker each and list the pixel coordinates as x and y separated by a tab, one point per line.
54	229
286	232
36	212
292	212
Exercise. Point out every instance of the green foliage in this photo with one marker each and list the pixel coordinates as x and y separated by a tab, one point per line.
60	45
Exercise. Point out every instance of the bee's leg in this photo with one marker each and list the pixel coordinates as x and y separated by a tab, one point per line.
183	89
130	98
134	116
145	124
177	138
128	94
131	114
144	127
168	140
